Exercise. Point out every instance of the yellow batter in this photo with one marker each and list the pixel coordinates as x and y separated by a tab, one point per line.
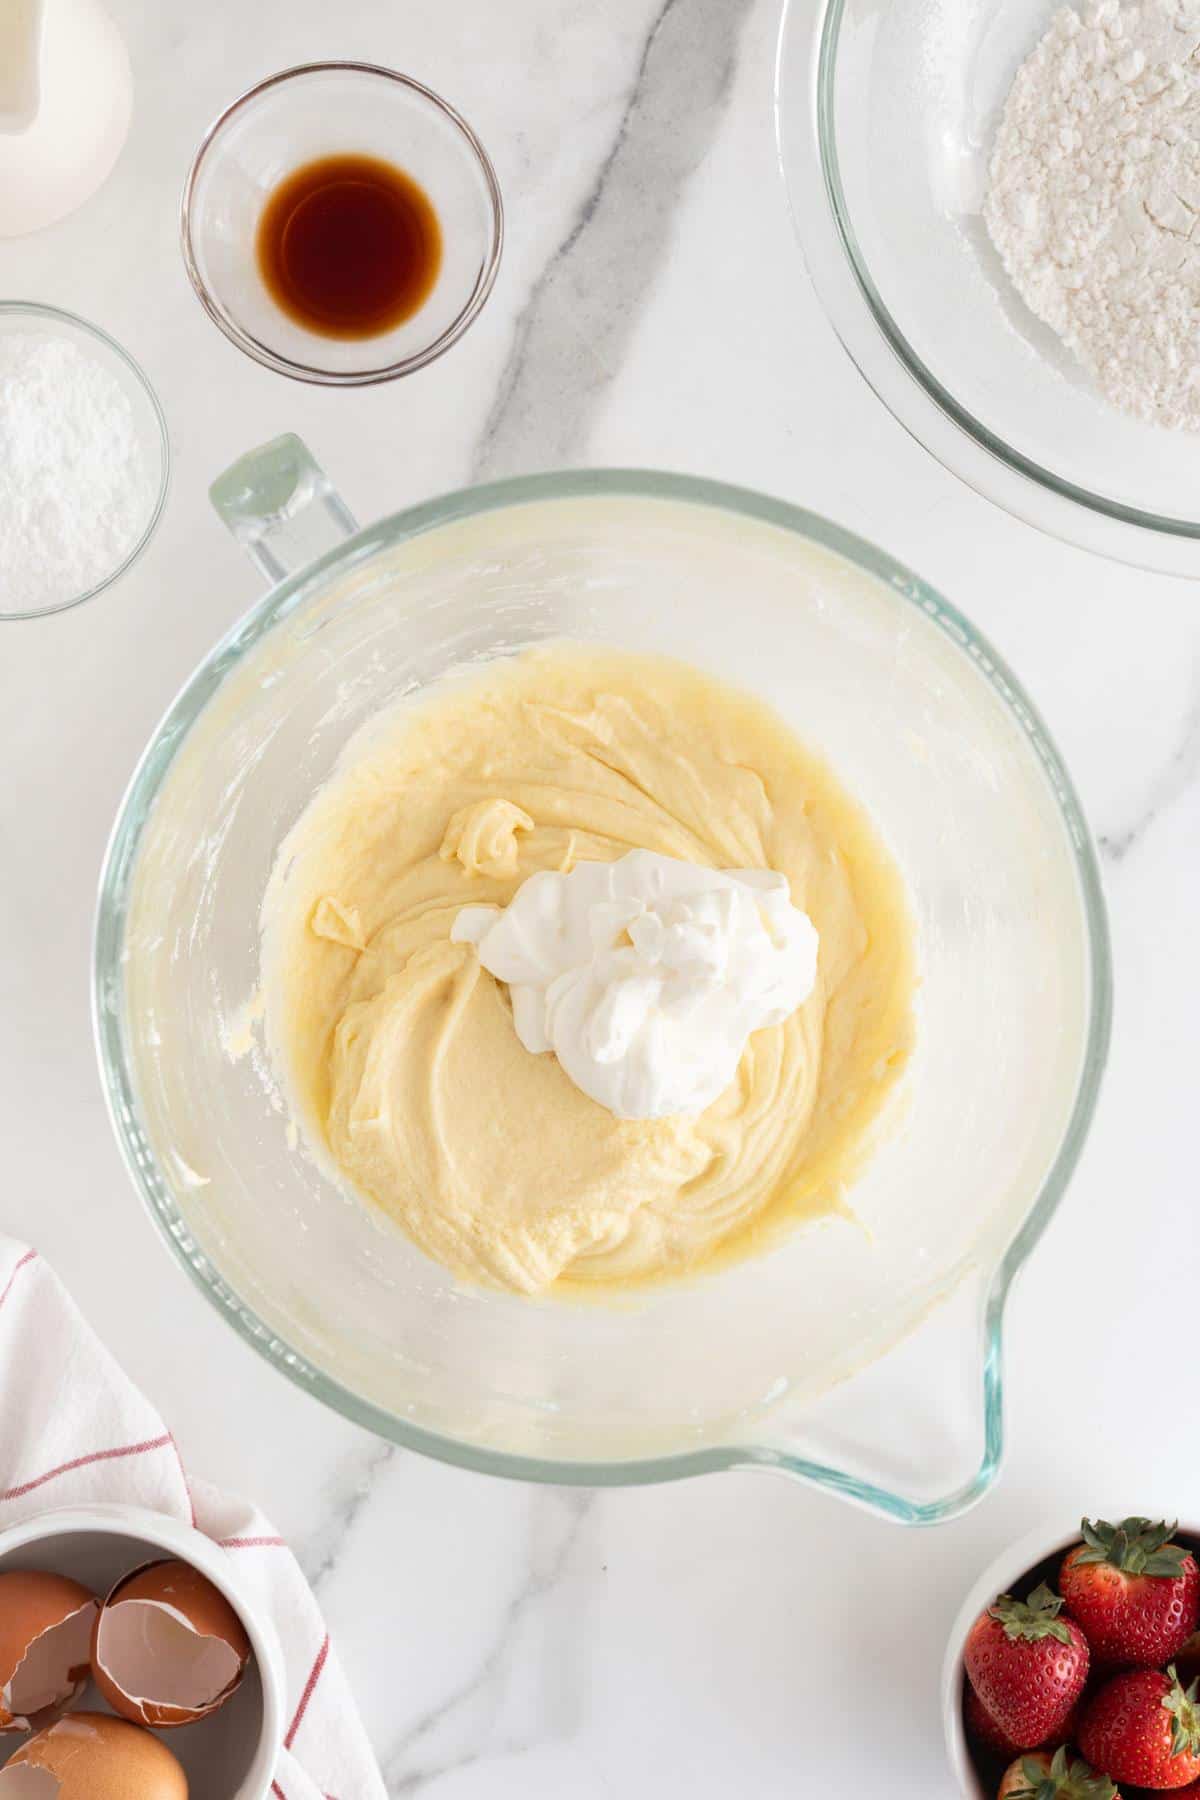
400	1049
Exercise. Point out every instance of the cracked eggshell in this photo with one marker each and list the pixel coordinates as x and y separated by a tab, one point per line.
46	1625
88	1756
167	1647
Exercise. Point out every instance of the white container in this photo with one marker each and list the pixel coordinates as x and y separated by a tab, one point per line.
232	1754
1000	1577
66	97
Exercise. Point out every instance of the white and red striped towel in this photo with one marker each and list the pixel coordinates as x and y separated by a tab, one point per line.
74	1431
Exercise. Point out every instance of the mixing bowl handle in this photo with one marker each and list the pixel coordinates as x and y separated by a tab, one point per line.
281	506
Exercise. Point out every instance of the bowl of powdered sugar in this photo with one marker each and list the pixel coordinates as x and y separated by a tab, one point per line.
999	202
84	460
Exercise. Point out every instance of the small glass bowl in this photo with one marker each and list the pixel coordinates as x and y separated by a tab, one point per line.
326	109
151	427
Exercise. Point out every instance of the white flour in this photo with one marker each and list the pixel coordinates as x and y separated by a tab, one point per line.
1094	200
75	490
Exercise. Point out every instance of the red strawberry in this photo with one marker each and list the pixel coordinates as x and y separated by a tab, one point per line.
1144	1728
1136	1595
1027	1665
1039	1776
984	1731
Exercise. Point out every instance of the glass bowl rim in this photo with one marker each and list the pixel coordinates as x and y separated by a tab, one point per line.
375	373
920	402
277	605
38	309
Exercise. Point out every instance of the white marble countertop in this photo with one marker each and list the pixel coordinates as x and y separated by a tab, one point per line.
726	1635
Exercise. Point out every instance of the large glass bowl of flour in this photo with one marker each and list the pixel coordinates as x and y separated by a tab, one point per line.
863	1353
886	119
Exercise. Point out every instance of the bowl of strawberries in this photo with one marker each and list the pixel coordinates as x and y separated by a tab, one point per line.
1073	1671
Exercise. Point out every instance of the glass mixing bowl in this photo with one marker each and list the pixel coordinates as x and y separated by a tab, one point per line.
885	115
779	1361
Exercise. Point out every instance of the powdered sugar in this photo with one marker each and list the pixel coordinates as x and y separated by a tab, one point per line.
76	491
1094	198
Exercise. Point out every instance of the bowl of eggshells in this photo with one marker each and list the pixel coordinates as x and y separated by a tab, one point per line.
132	1662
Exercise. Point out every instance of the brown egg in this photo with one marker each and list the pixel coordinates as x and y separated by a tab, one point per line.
46	1624
87	1756
167	1646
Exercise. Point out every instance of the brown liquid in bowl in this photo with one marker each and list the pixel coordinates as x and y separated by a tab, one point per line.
349	246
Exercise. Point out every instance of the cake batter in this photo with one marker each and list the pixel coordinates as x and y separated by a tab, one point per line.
399	1049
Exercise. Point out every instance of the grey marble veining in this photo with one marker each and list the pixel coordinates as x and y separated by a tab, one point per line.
1167	785
571	334
701	1640
469	1724
353	1487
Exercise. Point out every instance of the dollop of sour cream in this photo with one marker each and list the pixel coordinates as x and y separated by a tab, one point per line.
647	975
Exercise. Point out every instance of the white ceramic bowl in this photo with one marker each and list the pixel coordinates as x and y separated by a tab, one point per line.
1000	1577
232	1754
